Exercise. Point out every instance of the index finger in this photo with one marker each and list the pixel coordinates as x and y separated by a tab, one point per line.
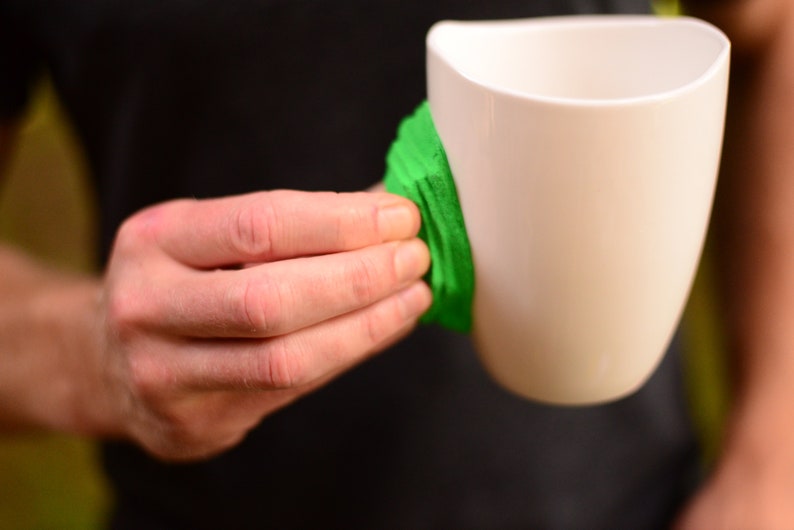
276	225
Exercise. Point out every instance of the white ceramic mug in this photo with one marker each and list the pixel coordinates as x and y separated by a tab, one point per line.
585	151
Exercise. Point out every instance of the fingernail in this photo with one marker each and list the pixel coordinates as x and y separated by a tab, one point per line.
397	220
416	299
411	259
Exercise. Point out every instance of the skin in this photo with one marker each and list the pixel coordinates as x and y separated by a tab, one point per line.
211	315
752	484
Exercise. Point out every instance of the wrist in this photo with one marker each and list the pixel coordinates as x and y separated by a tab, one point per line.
759	437
72	314
51	373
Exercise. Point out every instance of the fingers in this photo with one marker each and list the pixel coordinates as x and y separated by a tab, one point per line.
270	226
292	361
279	297
278	291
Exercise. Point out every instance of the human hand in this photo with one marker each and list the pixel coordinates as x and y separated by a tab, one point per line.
743	495
219	312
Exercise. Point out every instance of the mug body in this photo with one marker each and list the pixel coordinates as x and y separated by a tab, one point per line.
585	151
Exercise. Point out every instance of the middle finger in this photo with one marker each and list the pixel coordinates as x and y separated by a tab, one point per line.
280	297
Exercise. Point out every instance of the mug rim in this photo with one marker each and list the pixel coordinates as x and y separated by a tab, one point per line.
720	61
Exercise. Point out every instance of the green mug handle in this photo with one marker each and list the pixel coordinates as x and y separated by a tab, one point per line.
417	168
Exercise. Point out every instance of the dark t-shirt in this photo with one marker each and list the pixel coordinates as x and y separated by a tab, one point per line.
213	97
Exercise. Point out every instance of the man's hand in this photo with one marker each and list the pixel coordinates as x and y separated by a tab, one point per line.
219	312
215	313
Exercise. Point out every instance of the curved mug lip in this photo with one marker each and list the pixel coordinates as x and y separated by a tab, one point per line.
436	34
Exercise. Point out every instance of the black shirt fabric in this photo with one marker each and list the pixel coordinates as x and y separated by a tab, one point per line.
201	98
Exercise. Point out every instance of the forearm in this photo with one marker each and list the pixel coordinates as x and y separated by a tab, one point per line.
750	24
49	351
753	225
753	480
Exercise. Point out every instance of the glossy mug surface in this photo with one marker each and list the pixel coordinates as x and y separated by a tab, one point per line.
585	151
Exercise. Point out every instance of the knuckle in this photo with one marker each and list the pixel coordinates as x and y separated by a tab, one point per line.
130	234
279	367
167	424
258	306
251	232
123	313
376	327
364	277
173	432
148	378
383	321
142	227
